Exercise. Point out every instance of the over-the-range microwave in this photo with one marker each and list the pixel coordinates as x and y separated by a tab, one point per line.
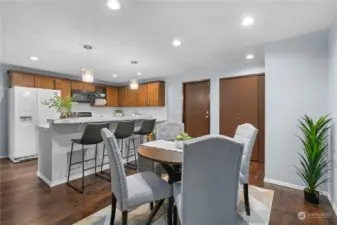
83	96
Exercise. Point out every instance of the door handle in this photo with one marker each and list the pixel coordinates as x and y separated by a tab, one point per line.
238	118
207	117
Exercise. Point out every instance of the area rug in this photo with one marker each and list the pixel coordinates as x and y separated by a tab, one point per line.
260	202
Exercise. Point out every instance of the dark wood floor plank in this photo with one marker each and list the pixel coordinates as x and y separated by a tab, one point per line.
25	199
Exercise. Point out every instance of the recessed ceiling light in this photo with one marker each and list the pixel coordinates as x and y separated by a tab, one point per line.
114	75
248	21
176	43
114	4
139	74
34	58
250	56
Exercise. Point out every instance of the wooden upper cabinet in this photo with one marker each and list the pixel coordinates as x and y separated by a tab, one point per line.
151	94
132	97
123	96
77	85
64	86
82	86
21	79
156	94
44	82
112	96
142	95
89	87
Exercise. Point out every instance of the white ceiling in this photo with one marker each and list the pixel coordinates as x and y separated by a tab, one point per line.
143	30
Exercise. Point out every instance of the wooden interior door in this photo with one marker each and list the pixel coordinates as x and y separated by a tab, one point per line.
64	86
261	128
239	103
44	82
142	95
196	106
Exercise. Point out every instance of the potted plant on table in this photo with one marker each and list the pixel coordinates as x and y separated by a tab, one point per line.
314	162
62	105
181	137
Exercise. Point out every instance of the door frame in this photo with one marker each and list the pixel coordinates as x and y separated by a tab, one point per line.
264	108
209	100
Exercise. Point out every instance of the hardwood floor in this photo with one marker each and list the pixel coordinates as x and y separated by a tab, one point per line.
25	199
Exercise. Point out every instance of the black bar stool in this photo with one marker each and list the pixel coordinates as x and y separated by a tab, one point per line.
145	129
123	130
90	136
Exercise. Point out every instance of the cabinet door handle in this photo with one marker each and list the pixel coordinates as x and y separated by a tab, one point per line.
144	102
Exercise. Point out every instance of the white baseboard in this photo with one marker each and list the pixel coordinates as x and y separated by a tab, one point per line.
298	187
289	185
64	180
42	177
3	156
334	205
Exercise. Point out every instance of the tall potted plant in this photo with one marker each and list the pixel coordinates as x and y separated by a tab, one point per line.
314	162
62	105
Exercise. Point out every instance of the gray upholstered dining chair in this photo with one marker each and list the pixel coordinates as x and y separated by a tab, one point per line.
169	130
246	134
208	191
165	131
134	190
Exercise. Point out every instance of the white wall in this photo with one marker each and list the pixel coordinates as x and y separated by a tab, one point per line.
174	87
333	108
3	102
296	84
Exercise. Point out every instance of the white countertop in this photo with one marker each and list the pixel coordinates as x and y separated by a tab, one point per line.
96	119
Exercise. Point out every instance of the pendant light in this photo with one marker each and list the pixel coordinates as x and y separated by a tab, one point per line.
134	84
87	74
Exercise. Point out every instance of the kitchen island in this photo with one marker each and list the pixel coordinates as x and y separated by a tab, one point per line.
54	144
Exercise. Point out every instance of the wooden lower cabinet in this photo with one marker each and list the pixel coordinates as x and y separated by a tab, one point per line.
112	96
21	79
44	82
64	86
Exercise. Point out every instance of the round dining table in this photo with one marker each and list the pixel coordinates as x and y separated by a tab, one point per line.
171	161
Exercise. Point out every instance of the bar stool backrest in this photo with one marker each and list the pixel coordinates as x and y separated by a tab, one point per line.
92	133
147	127
124	129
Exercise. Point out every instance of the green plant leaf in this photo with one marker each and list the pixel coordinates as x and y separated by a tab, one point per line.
313	160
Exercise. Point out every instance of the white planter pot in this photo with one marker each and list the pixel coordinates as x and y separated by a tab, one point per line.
180	144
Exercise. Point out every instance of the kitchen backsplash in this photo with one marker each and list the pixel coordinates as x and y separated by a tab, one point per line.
157	112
